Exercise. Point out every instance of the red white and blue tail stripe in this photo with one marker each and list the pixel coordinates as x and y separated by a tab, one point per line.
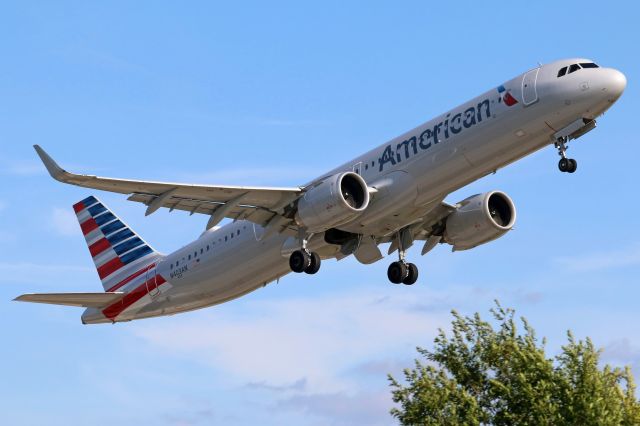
117	251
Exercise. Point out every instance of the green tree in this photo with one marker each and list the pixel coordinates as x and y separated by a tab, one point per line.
500	376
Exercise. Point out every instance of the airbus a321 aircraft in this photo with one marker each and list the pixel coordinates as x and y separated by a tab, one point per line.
392	194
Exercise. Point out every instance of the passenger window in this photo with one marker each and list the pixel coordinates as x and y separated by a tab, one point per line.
573	68
226	237
201	251
589	65
195	254
189	257
562	72
238	233
207	247
172	266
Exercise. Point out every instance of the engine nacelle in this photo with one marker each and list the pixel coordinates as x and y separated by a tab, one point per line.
480	219
334	201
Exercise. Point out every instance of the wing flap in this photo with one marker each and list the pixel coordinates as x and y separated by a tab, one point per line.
86	300
255	214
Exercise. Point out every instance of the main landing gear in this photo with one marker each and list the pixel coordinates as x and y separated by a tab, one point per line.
401	272
304	260
566	165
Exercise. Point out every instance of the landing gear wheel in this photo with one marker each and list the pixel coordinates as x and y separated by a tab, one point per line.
564	165
397	272
568	165
412	274
314	265
299	261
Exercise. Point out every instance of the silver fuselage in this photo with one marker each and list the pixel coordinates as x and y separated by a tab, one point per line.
410	174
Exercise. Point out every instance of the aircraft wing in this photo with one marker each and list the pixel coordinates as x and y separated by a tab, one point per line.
261	205
87	300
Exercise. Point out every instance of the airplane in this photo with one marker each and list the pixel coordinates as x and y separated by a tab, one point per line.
392	194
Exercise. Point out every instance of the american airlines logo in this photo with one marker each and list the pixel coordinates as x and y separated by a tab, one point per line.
508	99
451	126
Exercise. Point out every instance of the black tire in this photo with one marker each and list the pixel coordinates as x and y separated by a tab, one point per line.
564	165
573	165
299	261
412	274
314	265
397	272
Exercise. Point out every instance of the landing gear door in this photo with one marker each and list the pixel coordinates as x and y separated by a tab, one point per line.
529	92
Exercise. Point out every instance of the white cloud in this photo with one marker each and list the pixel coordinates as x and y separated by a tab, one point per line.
298	385
604	260
64	222
255	176
622	353
33	166
280	342
22	168
288	122
7	237
26	272
370	408
99	58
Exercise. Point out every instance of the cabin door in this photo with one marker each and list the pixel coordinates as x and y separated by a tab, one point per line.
529	92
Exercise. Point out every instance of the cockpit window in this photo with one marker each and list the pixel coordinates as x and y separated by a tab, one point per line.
573	68
589	65
562	71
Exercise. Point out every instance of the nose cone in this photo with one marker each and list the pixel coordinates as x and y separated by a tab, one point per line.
615	83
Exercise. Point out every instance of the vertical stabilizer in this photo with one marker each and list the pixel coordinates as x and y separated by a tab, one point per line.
119	254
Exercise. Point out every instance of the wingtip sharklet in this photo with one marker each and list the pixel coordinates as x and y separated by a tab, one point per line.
53	168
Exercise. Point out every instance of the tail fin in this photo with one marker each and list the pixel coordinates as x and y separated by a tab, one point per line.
118	253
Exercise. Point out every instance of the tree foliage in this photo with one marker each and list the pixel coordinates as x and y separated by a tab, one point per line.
482	375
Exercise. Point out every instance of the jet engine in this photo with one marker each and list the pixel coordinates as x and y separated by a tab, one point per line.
334	201
479	219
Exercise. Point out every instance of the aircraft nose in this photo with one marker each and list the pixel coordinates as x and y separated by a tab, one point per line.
615	83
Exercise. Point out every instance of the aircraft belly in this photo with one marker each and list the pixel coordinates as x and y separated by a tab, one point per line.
243	268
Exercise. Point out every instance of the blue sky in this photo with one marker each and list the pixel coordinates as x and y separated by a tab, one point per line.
274	94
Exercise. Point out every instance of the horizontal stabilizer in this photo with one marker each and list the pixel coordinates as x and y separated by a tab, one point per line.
87	300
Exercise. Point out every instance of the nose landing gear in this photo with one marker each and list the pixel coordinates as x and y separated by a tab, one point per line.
566	165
